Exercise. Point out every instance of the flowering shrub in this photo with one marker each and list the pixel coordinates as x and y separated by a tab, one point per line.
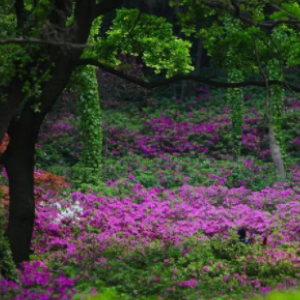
191	133
58	141
284	296
45	184
175	172
49	181
174	243
172	128
37	282
164	223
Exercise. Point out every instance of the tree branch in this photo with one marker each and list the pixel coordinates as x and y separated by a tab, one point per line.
83	19
106	6
246	16
65	6
42	42
155	84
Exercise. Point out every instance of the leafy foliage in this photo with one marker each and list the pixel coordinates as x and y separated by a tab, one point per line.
163	222
136	33
90	124
7	265
283	296
164	226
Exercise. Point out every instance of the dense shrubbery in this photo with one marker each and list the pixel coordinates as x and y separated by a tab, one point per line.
164	242
173	130
163	223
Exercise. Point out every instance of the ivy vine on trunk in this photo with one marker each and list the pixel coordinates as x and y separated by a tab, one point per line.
89	112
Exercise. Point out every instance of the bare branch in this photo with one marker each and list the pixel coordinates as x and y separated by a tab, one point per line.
42	42
65	6
247	17
155	84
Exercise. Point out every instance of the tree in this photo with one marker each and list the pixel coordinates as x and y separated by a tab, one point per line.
273	49
35	75
274	116
90	124
89	110
44	42
235	96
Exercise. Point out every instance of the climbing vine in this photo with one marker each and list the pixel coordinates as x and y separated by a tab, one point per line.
281	38
89	113
90	124
235	96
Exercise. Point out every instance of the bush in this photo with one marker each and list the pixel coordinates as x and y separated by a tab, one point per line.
283	296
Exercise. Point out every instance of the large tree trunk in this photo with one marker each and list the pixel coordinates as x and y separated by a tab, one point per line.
10	104
19	166
18	161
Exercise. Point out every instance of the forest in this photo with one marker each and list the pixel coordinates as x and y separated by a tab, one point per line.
149	150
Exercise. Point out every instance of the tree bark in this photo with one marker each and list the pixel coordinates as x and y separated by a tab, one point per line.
199	56
276	154
198	65
9	106
19	161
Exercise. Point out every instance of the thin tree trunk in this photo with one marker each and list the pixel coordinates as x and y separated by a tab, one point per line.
183	90
276	154
174	91
197	66
188	88
199	56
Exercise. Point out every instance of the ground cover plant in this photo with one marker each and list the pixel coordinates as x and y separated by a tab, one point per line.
164	225
157	186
